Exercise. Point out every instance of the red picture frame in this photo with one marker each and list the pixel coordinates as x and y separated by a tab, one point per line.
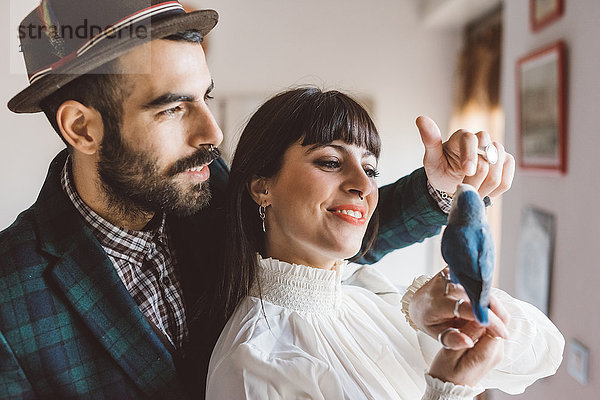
543	12
541	109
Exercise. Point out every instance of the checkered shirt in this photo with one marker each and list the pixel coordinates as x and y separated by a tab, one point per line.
144	261
443	199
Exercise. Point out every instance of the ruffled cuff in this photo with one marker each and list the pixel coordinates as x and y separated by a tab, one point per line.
407	298
439	390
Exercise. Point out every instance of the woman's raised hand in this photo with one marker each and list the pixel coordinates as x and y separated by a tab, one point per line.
456	161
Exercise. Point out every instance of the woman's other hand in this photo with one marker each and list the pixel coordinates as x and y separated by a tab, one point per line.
432	310
467	367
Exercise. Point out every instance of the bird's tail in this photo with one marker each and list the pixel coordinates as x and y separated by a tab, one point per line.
481	313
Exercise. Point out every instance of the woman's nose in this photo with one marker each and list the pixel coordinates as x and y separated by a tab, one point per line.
359	183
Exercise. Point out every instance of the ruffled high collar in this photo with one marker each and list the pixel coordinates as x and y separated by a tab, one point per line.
298	287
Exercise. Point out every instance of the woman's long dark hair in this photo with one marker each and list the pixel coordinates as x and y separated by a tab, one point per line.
306	114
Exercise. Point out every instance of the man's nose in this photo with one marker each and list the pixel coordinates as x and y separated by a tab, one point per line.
204	129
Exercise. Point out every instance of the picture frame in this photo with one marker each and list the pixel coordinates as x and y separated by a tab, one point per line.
544	12
535	258
541	109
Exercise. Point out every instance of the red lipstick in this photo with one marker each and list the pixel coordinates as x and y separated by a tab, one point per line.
349	213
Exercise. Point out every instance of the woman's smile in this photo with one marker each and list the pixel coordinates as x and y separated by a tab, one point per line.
351	213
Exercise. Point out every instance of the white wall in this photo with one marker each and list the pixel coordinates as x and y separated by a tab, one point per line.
377	50
572	198
27	143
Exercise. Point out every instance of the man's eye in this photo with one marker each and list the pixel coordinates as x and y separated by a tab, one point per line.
171	111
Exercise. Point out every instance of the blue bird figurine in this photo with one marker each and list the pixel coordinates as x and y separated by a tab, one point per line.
468	248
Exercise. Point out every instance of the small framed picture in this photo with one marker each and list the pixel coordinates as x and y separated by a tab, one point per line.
543	12
535	258
541	109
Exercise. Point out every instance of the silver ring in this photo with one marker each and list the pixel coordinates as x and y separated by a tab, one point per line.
441	337
489	153
457	306
448	282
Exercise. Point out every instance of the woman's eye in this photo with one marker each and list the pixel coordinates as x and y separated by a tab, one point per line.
329	164
208	97
371	172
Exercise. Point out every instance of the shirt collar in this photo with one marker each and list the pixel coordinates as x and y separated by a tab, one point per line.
298	287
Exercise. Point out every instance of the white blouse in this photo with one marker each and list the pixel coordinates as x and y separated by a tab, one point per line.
313	338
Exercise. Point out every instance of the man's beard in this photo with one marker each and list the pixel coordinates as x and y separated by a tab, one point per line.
134	184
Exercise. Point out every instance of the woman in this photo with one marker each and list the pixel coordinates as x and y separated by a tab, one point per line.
302	193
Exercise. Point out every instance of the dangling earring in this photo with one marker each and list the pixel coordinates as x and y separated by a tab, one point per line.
261	214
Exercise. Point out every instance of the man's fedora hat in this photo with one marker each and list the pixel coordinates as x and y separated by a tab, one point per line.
64	39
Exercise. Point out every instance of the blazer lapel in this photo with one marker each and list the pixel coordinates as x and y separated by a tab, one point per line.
90	283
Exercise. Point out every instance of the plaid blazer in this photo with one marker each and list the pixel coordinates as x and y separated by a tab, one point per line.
68	326
70	329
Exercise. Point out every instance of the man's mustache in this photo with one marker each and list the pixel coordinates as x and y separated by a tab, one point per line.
202	156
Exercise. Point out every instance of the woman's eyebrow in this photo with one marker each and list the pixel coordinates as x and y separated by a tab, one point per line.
340	148
318	146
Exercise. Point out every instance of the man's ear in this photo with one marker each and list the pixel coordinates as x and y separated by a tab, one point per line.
258	187
81	126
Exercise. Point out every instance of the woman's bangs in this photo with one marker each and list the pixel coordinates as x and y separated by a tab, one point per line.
338	117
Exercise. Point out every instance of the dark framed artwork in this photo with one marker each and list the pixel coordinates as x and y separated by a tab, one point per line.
543	12
541	109
535	258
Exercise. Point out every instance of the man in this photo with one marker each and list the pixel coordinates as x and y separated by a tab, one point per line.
106	281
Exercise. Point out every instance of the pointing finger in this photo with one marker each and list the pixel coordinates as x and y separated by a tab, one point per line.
431	138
